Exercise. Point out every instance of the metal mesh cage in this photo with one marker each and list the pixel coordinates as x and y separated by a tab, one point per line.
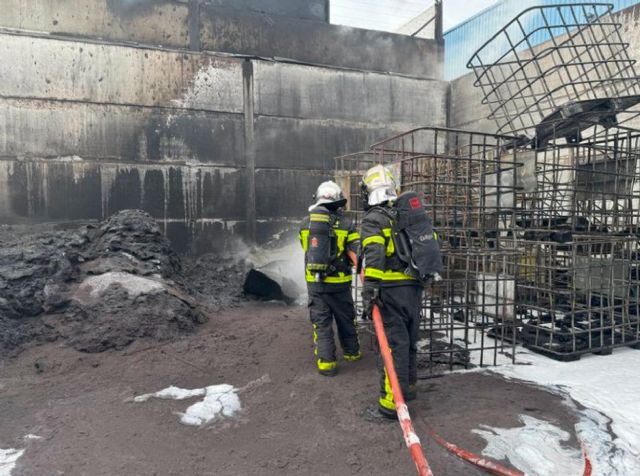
470	185
578	281
555	64
543	240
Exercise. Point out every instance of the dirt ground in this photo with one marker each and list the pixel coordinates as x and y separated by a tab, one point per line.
293	420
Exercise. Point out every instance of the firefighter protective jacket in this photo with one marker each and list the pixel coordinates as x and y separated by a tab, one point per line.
348	239
380	260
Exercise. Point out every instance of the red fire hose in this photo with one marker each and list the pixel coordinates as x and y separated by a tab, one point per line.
481	462
587	463
489	465
410	437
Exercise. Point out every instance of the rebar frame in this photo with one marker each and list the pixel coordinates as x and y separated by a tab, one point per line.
470	185
561	76
552	56
578	285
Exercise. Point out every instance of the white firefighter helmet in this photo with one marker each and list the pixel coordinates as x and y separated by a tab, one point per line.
379	186
327	193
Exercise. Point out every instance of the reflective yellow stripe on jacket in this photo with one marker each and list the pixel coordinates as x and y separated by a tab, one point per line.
320	217
339	279
385	240
386	275
304	239
373	239
390	249
341	238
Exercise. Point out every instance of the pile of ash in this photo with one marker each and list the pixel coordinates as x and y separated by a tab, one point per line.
96	288
272	272
217	278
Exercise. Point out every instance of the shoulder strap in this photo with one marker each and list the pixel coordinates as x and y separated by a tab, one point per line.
386	211
391	214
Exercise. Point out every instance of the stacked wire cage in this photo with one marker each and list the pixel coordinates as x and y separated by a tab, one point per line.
566	98
469	182
578	287
557	62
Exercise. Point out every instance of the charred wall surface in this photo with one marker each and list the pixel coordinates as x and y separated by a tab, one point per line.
106	105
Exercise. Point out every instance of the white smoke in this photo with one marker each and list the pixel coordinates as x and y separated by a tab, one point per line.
284	264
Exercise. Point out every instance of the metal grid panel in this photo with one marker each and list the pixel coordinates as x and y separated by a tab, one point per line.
462	40
584	59
470	185
578	282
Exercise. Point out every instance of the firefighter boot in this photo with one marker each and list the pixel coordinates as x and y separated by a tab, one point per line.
327	369
352	357
385	410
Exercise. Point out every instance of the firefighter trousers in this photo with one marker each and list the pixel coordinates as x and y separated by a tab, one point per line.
324	308
400	307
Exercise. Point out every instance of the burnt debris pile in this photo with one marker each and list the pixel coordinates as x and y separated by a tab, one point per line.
96	288
217	278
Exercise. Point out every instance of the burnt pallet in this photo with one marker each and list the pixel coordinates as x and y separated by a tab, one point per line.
577	355
569	357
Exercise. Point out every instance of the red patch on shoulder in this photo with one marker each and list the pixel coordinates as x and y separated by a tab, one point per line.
415	203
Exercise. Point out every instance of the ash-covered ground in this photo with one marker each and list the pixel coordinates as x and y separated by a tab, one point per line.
103	286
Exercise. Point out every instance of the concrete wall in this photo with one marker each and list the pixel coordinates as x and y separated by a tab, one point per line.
294	29
214	147
87	129
417	24
318	43
466	108
317	10
305	116
157	22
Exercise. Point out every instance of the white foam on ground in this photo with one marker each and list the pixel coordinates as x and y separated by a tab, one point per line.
8	460
535	448
172	393
608	387
31	436
607	458
219	401
134	285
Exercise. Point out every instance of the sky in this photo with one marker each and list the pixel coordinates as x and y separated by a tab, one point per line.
390	14
457	11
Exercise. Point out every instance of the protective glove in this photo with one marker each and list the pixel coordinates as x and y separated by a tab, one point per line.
370	292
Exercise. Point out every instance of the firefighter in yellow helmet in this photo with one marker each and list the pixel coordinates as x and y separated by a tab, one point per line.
330	241
386	282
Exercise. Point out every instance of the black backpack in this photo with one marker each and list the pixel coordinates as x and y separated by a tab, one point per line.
413	236
322	244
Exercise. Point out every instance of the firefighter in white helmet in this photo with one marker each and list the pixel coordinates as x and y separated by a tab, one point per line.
387	283
330	241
